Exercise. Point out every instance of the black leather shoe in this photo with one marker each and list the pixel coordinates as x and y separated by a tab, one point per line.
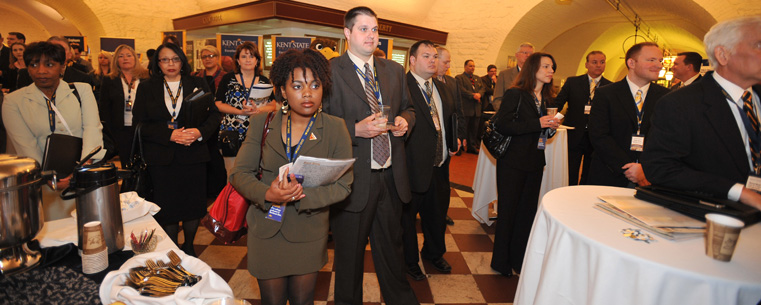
441	264
449	221
414	271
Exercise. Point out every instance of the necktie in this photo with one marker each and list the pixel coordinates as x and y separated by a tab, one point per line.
638	100
380	143
592	88
441	79
435	117
755	148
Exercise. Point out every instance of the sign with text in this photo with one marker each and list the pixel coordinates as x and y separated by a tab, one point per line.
281	44
227	43
79	40
386	45
110	43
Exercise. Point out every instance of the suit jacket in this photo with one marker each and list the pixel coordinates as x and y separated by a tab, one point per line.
304	220
488	93
470	106
575	92
150	111
612	122
677	86
454	91
69	76
421	142
5	62
111	103
525	130
504	81
700	149
348	101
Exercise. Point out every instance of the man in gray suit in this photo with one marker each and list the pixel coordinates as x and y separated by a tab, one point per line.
362	84
506	77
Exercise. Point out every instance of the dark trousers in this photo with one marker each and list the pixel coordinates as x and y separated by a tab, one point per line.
432	206
471	123
518	197
380	221
576	150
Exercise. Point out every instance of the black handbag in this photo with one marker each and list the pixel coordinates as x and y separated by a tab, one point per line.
495	142
229	142
138	181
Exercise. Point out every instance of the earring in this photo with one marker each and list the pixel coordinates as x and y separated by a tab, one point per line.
285	107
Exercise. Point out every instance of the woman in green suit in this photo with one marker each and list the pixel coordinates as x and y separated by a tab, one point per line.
285	254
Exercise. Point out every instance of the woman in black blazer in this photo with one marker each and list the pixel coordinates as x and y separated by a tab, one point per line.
519	171
174	133
118	91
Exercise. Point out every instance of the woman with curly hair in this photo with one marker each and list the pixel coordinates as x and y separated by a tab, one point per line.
285	254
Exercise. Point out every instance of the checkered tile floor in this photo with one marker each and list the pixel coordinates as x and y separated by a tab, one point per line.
469	246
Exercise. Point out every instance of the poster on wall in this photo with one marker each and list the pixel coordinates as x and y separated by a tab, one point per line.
79	40
110	43
179	34
284	43
227	43
386	45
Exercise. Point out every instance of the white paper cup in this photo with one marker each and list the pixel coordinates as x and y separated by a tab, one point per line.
721	236
552	111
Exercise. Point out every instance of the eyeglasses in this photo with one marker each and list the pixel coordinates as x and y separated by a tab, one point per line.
175	59
208	56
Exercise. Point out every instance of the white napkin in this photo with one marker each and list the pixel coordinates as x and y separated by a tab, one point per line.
133	207
211	286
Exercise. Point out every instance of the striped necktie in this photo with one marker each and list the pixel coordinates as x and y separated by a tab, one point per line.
750	112
435	117
380	143
638	100
592	88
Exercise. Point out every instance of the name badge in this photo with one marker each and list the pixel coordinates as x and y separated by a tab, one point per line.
542	142
754	183
275	213
587	108
171	125
638	142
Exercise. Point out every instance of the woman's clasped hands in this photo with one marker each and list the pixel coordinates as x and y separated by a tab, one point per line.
184	136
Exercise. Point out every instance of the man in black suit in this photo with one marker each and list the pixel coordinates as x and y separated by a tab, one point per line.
445	60
686	68
428	150
69	75
5	56
578	92
374	209
490	81
471	90
620	119
507	76
703	138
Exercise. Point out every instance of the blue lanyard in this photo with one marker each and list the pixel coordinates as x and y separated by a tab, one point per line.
173	98
373	83
51	112
243	82
292	157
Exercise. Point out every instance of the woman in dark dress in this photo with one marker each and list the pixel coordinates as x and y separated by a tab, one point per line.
174	134
10	76
118	91
519	171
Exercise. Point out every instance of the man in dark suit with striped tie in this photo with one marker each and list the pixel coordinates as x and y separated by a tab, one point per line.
705	137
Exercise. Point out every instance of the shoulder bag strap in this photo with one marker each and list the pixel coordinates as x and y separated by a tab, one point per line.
265	132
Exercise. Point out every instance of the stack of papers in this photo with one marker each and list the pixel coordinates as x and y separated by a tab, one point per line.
651	217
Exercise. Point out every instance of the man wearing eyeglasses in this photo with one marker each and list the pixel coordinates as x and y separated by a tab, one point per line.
507	76
620	119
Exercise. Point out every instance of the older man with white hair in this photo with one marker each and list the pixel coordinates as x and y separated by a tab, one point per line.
705	137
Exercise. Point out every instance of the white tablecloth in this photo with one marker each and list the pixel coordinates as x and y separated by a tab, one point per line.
577	255
63	231
485	180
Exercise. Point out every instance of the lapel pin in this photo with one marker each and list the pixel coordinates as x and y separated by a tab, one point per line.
312	137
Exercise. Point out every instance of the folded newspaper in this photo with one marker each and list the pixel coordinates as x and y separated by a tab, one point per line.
319	171
651	217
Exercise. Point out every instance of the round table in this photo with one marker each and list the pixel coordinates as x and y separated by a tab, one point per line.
577	255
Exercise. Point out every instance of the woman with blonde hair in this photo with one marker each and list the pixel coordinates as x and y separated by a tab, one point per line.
103	69
117	97
212	71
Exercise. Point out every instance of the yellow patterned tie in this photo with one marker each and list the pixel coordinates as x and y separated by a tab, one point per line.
638	100
592	88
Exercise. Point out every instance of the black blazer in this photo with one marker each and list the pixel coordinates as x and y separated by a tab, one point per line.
151	111
421	142
694	142
69	76
470	106
349	101
522	153
111	103
675	87
612	122
488	92
575	92
454	90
